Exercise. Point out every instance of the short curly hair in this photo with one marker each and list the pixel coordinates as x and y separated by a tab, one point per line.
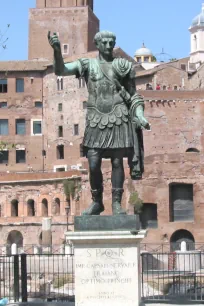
103	34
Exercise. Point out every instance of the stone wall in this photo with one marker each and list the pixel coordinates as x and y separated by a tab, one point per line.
75	26
22	106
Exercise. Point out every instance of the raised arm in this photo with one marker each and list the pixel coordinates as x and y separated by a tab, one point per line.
60	68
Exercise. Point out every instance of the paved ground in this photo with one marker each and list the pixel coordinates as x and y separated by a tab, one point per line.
73	304
43	303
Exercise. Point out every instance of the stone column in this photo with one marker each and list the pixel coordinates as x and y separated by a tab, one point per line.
46	233
14	249
107	267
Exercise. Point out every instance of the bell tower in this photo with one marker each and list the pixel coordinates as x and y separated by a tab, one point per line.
197	39
73	20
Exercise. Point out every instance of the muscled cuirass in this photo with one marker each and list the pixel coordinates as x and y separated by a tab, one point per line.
105	105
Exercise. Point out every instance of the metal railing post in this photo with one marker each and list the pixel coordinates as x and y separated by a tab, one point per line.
16	278
24	278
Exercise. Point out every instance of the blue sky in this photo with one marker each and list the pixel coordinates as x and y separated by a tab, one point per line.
159	23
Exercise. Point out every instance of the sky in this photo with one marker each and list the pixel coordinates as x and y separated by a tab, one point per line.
160	24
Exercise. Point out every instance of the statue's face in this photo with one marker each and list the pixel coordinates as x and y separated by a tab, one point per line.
106	45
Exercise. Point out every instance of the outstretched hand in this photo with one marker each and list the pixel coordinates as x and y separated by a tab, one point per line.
54	41
144	123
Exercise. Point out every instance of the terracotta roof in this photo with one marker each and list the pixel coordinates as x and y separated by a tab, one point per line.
147	72
34	65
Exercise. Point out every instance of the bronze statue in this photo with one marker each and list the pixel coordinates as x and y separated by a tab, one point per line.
115	117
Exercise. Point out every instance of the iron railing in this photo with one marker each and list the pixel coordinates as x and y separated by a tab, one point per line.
45	277
170	247
173	276
36	249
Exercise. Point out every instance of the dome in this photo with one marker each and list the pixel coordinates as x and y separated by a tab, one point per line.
143	51
199	19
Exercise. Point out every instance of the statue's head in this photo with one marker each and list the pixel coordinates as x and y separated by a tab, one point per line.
105	42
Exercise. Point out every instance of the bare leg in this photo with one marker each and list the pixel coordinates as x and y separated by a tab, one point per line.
118	174
95	174
118	177
96	182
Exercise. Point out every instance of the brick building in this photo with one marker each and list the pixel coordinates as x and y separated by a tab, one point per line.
44	116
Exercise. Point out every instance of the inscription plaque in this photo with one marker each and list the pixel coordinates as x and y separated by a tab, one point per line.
106	275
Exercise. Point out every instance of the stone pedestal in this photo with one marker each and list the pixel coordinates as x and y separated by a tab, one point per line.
107	267
46	231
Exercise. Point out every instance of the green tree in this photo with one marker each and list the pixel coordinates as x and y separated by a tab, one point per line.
6	146
135	200
154	59
72	189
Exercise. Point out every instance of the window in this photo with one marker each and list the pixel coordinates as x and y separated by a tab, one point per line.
3	85
149	216
139	59
181	202
82	82
194	150
146	59
76	129
60	83
84	105
38	104
20	156
36	127
60	107
195	43
60	152
20	127
4	157
31	207
60	131
183	67
14	208
44	208
3	126
66	49
60	169
19	85
3	104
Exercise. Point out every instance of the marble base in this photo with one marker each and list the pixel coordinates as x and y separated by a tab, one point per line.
107	267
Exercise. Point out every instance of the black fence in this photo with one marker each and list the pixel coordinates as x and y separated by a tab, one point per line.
165	276
46	277
173	276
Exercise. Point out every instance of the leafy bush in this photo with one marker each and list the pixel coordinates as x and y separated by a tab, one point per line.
62	280
136	202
